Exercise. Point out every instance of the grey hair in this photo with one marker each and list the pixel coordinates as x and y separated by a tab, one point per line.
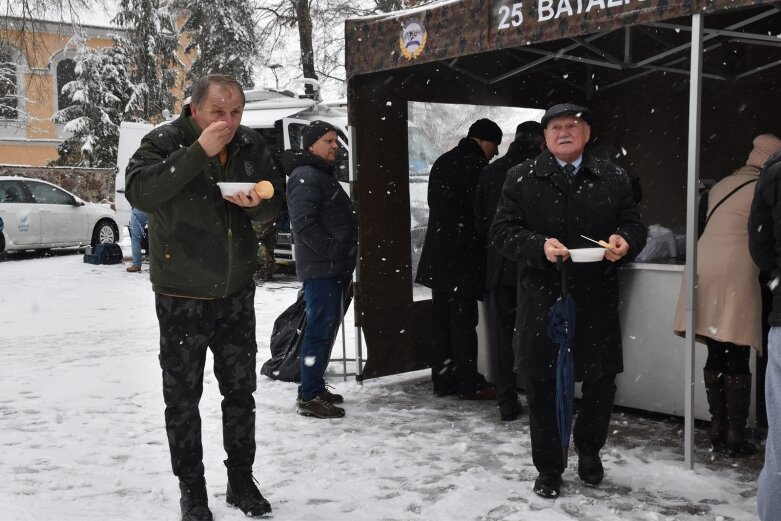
202	84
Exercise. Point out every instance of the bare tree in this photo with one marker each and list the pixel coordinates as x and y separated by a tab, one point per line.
320	24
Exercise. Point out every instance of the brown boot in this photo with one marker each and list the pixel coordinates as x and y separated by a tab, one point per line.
738	391
714	390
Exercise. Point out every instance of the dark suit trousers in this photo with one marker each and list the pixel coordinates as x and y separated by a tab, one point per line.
501	302
454	346
591	425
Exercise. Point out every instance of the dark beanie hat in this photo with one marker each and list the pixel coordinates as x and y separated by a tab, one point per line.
487	130
529	128
314	131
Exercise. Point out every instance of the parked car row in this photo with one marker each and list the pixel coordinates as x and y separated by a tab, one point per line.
40	215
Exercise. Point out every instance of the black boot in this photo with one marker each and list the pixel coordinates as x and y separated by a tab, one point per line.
738	391
510	410
717	402
547	485
243	493
194	501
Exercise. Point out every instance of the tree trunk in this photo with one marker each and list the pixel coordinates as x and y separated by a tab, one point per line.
304	22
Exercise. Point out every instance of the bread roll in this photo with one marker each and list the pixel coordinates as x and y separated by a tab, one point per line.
265	190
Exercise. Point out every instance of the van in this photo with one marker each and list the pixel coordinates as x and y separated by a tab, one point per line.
279	117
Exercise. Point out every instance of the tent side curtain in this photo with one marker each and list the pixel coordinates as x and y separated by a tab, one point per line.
449	30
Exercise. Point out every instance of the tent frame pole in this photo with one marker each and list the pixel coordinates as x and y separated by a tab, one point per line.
692	191
357	271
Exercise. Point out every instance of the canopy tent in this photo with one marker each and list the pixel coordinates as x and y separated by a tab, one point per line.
643	67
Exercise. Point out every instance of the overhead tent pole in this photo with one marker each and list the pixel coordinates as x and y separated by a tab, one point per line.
356	272
692	191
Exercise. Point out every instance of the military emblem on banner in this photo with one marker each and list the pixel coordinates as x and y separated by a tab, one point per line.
412	39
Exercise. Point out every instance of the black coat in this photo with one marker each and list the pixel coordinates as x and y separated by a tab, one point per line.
452	259
325	230
539	202
764	229
499	270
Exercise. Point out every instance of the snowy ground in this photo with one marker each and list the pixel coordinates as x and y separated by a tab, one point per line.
82	437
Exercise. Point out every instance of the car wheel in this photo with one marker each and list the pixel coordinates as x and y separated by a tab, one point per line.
105	232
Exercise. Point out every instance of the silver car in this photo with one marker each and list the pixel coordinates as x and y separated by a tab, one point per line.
40	215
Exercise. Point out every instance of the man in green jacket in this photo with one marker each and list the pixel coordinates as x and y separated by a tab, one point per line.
203	253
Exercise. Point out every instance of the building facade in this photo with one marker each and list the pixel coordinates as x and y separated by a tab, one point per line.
41	66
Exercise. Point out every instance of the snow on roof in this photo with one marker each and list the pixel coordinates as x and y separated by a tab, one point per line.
406	12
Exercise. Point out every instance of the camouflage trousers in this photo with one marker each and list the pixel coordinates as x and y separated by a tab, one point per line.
188	327
267	241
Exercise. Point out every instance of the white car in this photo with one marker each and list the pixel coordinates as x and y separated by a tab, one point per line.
40	215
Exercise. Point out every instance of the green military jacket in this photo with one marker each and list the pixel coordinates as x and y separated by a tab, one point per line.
200	245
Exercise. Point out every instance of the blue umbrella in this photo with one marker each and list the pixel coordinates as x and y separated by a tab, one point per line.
561	330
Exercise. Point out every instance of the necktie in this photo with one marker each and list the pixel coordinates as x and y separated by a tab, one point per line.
569	170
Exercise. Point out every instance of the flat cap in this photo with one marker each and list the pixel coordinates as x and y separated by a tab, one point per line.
565	109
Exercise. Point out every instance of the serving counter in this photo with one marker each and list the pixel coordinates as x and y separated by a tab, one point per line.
654	357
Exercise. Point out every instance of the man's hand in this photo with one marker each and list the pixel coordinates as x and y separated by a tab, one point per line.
619	247
553	248
241	199
214	138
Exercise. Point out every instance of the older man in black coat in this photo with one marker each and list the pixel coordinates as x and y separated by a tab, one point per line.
452	262
502	273
546	204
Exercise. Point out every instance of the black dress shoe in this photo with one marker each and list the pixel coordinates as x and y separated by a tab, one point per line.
485	392
590	469
510	411
443	391
547	485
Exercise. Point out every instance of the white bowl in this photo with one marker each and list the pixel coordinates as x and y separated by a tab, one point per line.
235	188
587	254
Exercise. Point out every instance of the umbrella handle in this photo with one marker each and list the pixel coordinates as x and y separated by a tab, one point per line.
560	266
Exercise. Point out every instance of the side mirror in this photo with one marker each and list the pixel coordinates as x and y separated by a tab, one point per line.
77	201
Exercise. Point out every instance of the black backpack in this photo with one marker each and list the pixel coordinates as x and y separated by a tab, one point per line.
108	253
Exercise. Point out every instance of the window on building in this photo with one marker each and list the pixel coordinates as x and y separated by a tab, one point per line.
66	73
9	95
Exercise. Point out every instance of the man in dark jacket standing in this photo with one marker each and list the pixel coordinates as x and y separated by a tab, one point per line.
764	242
546	204
325	238
452	262
501	274
203	254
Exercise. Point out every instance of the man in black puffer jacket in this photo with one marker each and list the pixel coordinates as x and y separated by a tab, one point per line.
202	257
325	233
